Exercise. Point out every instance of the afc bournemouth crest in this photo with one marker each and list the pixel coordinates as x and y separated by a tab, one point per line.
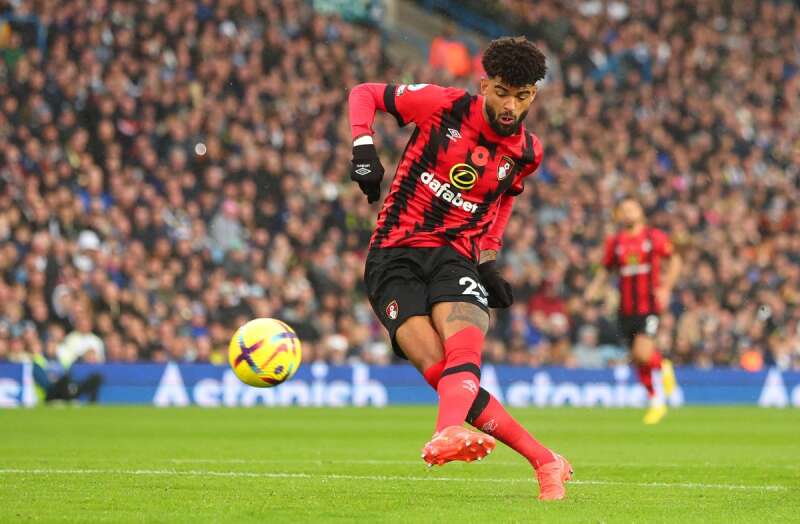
505	167
392	310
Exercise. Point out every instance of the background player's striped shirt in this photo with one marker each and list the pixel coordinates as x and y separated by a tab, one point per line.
637	258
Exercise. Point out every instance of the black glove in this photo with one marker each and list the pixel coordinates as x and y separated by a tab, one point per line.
499	290
367	171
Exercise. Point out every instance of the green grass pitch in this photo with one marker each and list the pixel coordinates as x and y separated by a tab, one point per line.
143	464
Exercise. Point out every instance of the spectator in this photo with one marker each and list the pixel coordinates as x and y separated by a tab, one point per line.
226	231
449	54
586	351
589	353
81	343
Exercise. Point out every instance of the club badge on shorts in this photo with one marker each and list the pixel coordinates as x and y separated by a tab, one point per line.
505	167
392	310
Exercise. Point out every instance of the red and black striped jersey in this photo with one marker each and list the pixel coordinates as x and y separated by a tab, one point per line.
457	177
637	258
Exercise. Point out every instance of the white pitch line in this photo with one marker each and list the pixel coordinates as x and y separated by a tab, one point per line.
520	464
378	478
318	462
704	465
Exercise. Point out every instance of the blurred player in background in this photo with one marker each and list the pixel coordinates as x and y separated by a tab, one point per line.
430	272
54	382
636	253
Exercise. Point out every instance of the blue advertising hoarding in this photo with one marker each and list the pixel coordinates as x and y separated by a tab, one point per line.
320	384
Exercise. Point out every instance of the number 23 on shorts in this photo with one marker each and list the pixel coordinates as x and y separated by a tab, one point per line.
475	289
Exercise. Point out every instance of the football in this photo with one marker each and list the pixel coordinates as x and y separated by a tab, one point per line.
264	352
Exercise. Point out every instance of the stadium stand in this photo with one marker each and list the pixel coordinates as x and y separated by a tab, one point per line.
171	169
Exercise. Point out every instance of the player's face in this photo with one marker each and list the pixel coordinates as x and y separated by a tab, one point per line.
630	214
506	106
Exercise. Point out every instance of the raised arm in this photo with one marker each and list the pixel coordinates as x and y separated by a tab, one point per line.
364	100
367	169
407	103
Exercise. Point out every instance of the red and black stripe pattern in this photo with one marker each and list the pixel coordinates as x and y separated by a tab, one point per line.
637	258
427	206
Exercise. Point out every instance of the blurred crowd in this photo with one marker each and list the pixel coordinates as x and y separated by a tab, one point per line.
169	170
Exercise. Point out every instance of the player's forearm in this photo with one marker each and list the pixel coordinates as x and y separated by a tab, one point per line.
493	239
363	101
487	255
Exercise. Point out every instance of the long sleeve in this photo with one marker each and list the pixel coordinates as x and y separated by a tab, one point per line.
406	103
493	239
364	100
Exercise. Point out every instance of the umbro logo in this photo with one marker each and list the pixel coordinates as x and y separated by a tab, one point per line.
453	134
470	386
363	171
490	426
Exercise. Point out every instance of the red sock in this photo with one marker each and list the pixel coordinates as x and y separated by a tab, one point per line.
460	378
433	373
496	421
645	372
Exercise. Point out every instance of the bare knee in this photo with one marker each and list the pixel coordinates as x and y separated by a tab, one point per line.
451	317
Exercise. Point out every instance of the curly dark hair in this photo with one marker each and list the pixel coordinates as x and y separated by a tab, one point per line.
515	60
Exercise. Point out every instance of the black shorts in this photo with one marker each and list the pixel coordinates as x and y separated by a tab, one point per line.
632	325
403	282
